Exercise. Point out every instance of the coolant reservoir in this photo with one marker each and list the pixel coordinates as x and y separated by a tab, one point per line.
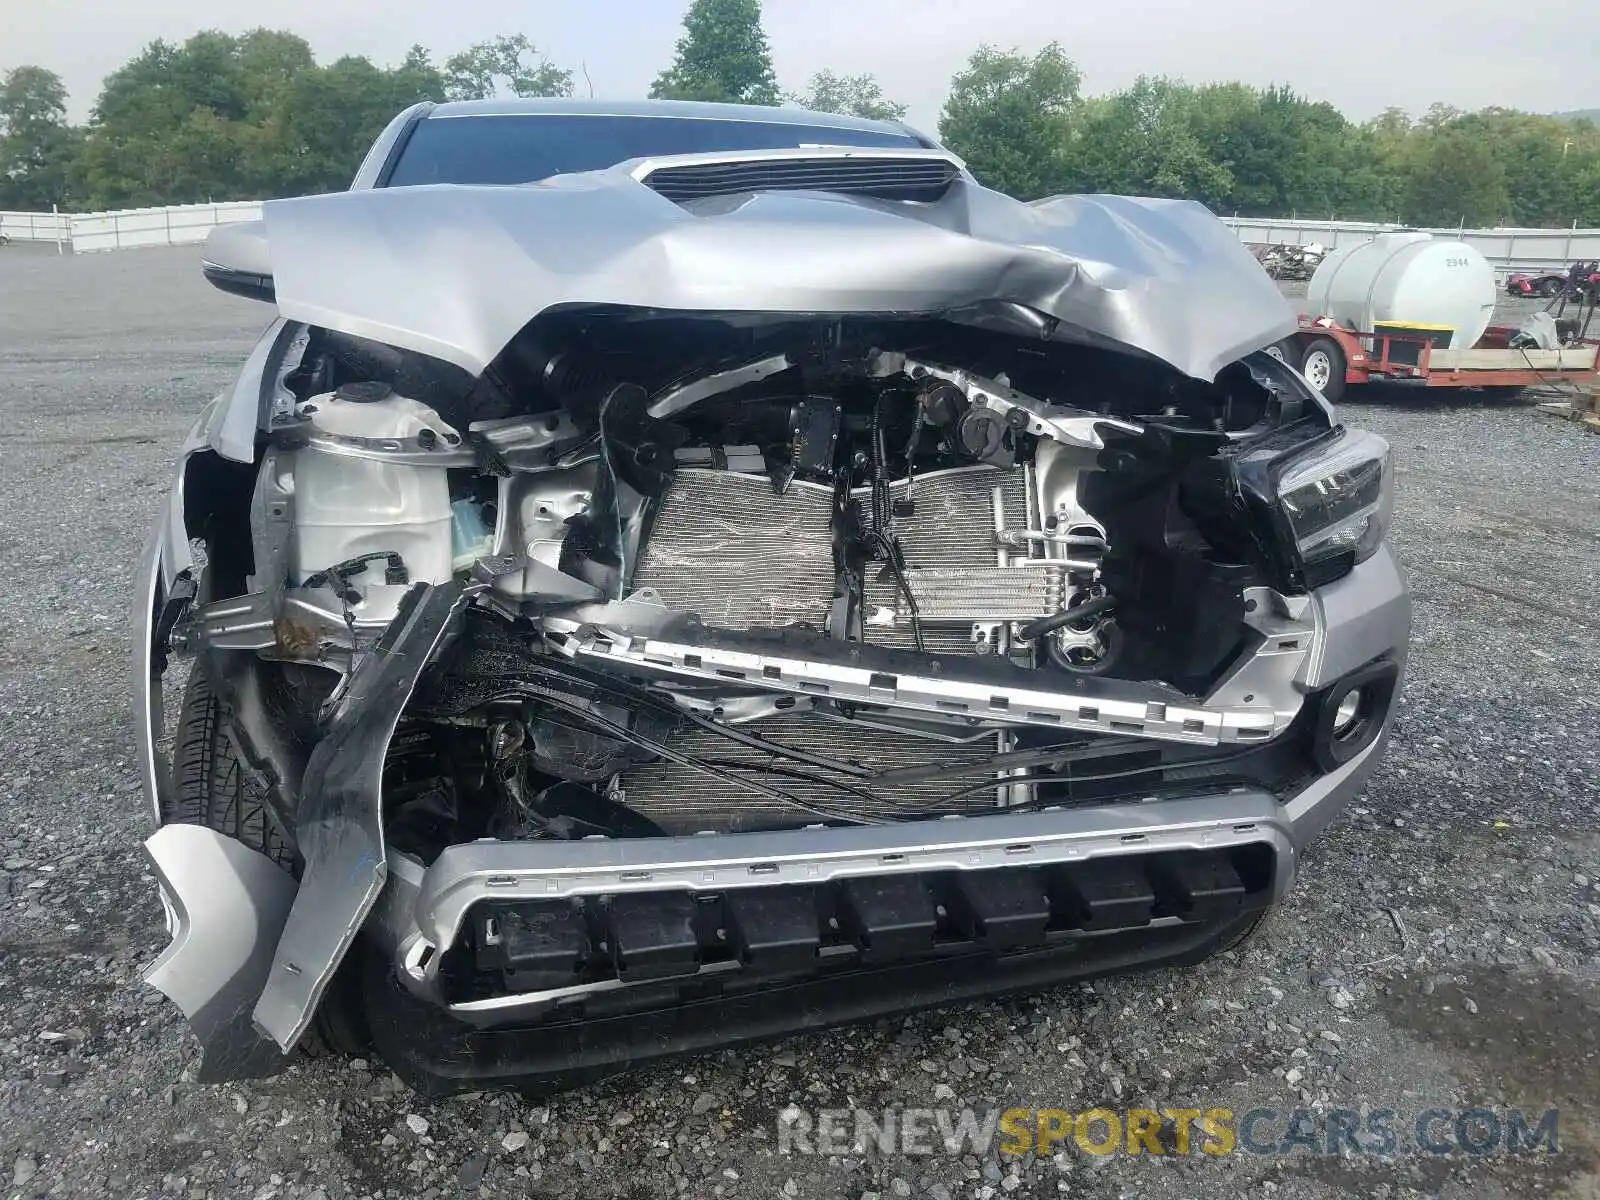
347	505
1409	279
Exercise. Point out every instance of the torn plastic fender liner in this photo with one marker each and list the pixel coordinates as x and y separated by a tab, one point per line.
339	822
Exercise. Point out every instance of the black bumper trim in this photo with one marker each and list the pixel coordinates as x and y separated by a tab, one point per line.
438	1055
617	942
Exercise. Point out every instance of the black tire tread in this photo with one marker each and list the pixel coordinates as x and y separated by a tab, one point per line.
1334	392
212	787
210	784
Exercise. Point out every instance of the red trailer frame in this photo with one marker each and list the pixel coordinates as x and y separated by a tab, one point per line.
1412	359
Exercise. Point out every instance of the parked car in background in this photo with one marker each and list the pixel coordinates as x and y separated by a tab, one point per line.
747	577
1547	283
1580	277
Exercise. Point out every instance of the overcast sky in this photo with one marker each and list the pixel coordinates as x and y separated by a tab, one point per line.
1363	55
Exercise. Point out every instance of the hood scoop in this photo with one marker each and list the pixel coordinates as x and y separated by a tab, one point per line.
921	177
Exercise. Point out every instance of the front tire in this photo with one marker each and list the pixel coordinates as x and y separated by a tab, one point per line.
1323	366
211	786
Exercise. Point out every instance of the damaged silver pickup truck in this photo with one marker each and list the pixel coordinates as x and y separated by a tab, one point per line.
673	574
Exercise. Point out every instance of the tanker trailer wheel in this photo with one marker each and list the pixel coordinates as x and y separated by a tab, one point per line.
1323	366
1286	351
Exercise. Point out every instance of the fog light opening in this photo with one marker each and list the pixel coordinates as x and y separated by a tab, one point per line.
1348	713
1351	714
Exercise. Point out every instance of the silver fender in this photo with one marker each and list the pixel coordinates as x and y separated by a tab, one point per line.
226	907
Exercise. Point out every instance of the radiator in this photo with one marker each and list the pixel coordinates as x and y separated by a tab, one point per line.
727	546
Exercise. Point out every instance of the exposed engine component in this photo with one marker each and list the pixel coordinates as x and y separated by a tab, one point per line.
805	545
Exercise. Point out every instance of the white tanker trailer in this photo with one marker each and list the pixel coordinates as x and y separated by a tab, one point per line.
1409	308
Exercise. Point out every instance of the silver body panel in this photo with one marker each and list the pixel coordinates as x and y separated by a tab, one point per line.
226	906
456	271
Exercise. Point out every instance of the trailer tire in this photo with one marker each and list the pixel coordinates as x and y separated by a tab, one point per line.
1286	351
1323	366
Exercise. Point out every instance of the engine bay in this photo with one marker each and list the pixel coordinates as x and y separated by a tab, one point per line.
737	572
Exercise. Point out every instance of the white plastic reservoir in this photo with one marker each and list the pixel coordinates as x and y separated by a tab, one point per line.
346	506
1410	279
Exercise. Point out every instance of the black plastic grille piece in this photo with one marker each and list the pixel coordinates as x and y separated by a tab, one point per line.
1003	909
917	179
888	916
774	928
741	936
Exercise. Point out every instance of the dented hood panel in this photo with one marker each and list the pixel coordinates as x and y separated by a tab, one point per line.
455	272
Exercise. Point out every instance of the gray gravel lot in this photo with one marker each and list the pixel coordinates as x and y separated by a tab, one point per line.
1440	951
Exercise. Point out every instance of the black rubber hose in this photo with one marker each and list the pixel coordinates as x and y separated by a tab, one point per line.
1046	625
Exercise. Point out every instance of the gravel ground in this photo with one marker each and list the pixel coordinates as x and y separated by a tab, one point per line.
1440	950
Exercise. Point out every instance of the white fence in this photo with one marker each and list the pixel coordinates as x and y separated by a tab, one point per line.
1508	249
36	227
175	225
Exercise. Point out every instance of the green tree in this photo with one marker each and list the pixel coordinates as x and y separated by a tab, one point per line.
223	117
721	56
851	95
1542	158
1285	153
1389	145
1010	116
503	66
1455	179
1143	141
268	61
37	146
163	119
332	114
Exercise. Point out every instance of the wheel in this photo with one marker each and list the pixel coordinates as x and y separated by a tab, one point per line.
1286	351
1323	366
1245	934
212	787
1550	287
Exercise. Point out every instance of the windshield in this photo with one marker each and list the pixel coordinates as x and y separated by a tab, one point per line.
520	149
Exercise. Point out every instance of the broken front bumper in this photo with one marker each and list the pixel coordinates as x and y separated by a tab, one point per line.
425	929
1117	882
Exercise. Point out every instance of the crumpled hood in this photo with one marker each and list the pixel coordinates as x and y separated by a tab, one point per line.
455	272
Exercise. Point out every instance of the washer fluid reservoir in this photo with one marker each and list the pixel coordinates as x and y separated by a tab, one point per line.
349	501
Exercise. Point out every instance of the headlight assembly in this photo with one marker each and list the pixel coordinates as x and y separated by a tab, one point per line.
1339	502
